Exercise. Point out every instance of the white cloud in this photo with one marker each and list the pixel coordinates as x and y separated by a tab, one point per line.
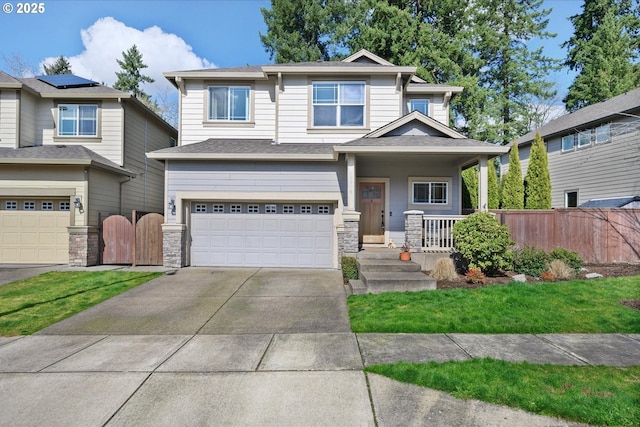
107	38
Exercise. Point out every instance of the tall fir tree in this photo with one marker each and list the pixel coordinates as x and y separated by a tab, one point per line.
493	188
131	77
512	185
606	61
59	66
470	188
537	182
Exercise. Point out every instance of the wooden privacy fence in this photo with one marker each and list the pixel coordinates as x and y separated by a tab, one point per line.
137	243
599	235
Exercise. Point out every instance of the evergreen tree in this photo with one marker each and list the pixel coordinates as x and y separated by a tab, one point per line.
470	188
537	182
59	66
512	186
131	77
493	189
606	63
305	30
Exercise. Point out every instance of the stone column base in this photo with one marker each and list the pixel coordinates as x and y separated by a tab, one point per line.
174	245
348	234
83	246
413	229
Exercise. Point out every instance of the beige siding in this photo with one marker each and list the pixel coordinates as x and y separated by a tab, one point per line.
143	134
110	122
104	195
194	112
28	111
8	118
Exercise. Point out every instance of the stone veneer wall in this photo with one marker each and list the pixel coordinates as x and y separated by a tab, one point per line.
174	239
83	246
348	235
413	230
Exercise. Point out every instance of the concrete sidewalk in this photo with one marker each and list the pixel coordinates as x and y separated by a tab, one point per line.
254	347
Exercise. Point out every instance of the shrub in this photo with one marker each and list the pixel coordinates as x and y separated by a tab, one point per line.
444	270
570	258
483	242
475	276
349	268
530	261
560	269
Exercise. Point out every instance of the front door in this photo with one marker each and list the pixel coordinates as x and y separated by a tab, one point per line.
371	212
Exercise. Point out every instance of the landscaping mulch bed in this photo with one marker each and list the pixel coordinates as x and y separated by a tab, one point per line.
607	270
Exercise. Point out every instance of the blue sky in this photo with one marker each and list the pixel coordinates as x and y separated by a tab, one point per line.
171	34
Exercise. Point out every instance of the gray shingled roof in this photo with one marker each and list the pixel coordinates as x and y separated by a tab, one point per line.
614	202
259	68
7	79
247	146
59	154
587	116
416	141
42	88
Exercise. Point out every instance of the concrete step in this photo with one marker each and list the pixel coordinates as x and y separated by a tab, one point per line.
387	265
379	253
377	282
357	287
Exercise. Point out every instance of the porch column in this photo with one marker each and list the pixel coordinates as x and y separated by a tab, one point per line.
351	182
413	229
483	185
348	234
83	246
174	239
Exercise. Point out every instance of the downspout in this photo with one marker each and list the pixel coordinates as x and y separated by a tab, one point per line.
122	182
146	162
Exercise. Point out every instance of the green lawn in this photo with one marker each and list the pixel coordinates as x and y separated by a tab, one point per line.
578	306
597	395
29	305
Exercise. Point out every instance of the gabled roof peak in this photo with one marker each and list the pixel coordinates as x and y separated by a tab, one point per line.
363	55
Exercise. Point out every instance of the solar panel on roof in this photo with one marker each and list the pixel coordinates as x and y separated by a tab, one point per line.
63	81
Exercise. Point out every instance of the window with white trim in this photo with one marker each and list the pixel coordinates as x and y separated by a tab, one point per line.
218	209
29	206
288	209
323	209
305	209
11	205
270	209
568	142
229	103
77	120
571	199
421	105
429	191
236	209
64	206
47	206
253	209
584	138
338	104
603	134
201	208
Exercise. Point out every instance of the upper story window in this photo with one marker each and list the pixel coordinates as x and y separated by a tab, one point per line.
229	103
568	142
421	105
584	138
603	134
77	120
340	104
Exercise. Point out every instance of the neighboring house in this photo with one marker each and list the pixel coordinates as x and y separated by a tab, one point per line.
593	153
72	150
296	164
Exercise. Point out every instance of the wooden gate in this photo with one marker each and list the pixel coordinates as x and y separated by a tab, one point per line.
137	243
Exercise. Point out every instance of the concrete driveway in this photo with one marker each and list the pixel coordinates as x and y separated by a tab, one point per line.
223	347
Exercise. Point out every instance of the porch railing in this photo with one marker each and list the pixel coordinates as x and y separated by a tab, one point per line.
437	231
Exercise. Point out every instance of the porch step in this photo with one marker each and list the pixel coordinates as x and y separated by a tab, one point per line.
387	265
381	271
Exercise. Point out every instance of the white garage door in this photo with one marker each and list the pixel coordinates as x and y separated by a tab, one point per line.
34	235
262	239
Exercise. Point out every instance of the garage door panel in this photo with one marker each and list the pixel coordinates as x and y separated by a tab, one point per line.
277	240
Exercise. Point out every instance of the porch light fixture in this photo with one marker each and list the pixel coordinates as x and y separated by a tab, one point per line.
172	206
77	203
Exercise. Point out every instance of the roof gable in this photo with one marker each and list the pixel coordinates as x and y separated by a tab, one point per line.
414	120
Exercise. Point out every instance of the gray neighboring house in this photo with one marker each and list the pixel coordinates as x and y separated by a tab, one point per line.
295	165
70	151
593	153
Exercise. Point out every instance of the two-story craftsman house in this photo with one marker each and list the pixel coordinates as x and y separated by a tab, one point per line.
293	165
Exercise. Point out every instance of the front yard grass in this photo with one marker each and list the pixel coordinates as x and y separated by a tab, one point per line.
597	395
29	305
577	306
